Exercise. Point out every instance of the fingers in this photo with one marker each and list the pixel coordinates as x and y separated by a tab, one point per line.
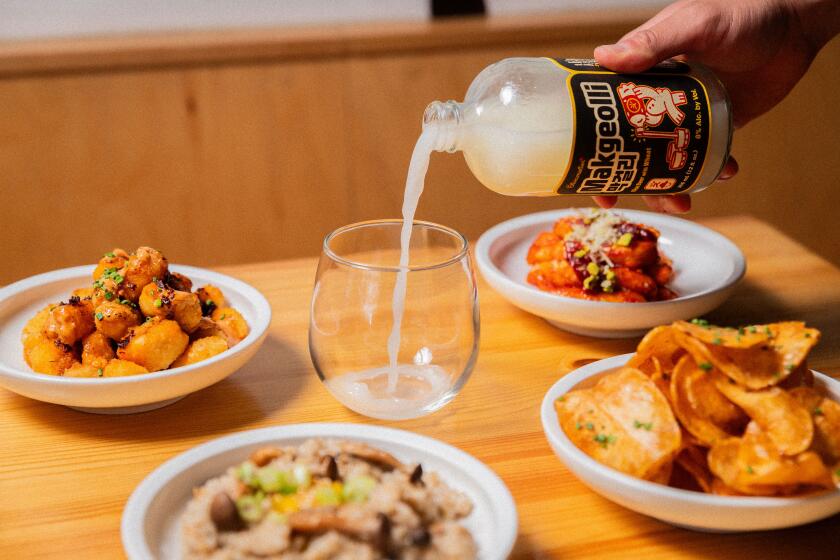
685	27
605	201
730	169
672	204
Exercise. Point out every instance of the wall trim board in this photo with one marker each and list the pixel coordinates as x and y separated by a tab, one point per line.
232	46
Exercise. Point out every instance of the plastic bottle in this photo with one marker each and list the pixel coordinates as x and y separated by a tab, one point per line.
543	126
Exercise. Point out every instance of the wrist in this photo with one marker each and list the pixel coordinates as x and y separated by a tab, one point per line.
819	20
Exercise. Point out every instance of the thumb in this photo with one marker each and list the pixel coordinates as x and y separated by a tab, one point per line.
653	42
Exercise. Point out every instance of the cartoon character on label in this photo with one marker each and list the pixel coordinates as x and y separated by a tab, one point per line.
646	107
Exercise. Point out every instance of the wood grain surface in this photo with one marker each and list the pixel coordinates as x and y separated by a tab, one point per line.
177	141
65	475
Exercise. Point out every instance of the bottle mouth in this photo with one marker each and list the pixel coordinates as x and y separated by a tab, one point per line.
441	119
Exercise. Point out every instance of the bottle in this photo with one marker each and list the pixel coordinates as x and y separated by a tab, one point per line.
544	126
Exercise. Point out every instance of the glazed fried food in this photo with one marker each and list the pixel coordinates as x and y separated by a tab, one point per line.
600	257
751	419
137	317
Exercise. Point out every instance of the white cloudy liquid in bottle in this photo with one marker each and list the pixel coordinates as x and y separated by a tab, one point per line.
526	128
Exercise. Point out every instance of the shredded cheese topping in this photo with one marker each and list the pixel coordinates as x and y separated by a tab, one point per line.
598	231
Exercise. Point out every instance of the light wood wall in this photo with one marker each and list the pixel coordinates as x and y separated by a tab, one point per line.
251	146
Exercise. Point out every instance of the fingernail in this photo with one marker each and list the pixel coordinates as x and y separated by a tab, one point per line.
617	48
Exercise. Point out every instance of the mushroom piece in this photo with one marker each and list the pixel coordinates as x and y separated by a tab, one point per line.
420	537
384	460
331	469
416	477
224	514
358	524
264	455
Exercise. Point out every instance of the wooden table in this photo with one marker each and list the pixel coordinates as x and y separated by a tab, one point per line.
65	475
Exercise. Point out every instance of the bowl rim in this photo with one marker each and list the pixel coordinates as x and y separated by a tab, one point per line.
558	440
136	507
258	327
521	289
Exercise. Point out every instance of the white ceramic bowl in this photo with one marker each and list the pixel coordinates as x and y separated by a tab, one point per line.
150	519
707	266
119	395
691	510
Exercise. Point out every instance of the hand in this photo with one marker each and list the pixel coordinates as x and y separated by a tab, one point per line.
759	49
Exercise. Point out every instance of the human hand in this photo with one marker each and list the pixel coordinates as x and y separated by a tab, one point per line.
759	49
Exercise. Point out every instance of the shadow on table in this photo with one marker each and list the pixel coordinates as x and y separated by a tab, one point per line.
751	304
814	541
267	383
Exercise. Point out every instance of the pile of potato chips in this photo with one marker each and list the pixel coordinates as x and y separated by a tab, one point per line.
718	410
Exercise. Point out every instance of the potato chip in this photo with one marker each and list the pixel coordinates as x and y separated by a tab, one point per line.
659	343
802	376
720	488
761	365
753	465
764	465
693	460
826	417
624	422
723	336
785	421
702	410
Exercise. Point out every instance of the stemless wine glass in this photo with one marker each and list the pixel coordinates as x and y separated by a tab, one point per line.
352	317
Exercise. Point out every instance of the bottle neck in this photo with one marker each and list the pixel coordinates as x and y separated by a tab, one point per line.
443	119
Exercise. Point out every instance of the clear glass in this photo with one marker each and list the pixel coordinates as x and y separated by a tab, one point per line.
351	318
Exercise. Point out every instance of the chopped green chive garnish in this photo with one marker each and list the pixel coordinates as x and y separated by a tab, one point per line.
717	340
767	331
222	317
807	335
99	372
108	295
644	425
589	426
561	399
705	366
99	316
625	240
750	470
110	255
741	331
700	322
753	329
578	426
604	439
789	367
818	411
158	303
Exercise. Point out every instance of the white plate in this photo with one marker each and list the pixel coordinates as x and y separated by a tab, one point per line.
707	266
692	510
150	519
119	395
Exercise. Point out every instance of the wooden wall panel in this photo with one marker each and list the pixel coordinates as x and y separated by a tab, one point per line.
245	161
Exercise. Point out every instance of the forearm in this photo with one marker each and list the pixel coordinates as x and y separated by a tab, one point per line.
820	19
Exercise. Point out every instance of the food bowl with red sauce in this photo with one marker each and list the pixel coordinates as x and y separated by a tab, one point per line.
677	269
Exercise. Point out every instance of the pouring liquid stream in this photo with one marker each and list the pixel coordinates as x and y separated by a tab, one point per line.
414	183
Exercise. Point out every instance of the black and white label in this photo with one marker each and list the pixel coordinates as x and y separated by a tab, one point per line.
635	133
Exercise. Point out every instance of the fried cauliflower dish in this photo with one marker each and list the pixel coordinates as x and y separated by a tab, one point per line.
136	317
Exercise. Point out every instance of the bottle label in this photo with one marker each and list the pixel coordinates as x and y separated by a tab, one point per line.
635	133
